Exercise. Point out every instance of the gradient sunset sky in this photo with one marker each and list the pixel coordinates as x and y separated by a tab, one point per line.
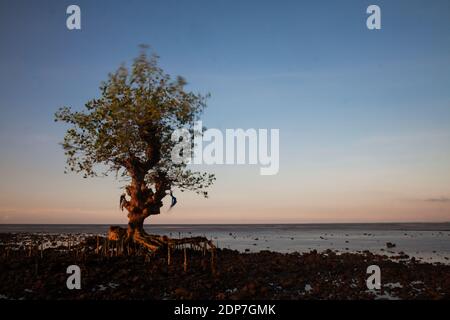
364	116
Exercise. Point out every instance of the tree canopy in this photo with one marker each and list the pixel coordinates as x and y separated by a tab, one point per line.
127	131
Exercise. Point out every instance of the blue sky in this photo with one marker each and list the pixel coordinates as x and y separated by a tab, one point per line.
363	115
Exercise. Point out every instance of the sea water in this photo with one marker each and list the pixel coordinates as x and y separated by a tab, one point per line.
428	242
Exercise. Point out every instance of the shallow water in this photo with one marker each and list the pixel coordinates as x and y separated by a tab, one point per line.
427	242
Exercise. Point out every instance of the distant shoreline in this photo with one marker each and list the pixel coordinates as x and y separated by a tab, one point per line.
403	226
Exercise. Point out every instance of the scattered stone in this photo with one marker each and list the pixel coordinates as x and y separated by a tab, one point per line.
390	245
261	275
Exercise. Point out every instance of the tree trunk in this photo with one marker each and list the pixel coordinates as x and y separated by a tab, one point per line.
136	233
135	225
144	203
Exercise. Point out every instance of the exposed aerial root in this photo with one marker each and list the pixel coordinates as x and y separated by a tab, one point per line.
154	243
147	242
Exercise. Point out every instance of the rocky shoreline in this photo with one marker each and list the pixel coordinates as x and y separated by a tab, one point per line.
34	266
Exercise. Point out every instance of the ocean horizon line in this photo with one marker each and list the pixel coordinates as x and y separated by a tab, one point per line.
229	227
225	224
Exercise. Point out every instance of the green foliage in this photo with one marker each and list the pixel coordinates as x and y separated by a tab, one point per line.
127	131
